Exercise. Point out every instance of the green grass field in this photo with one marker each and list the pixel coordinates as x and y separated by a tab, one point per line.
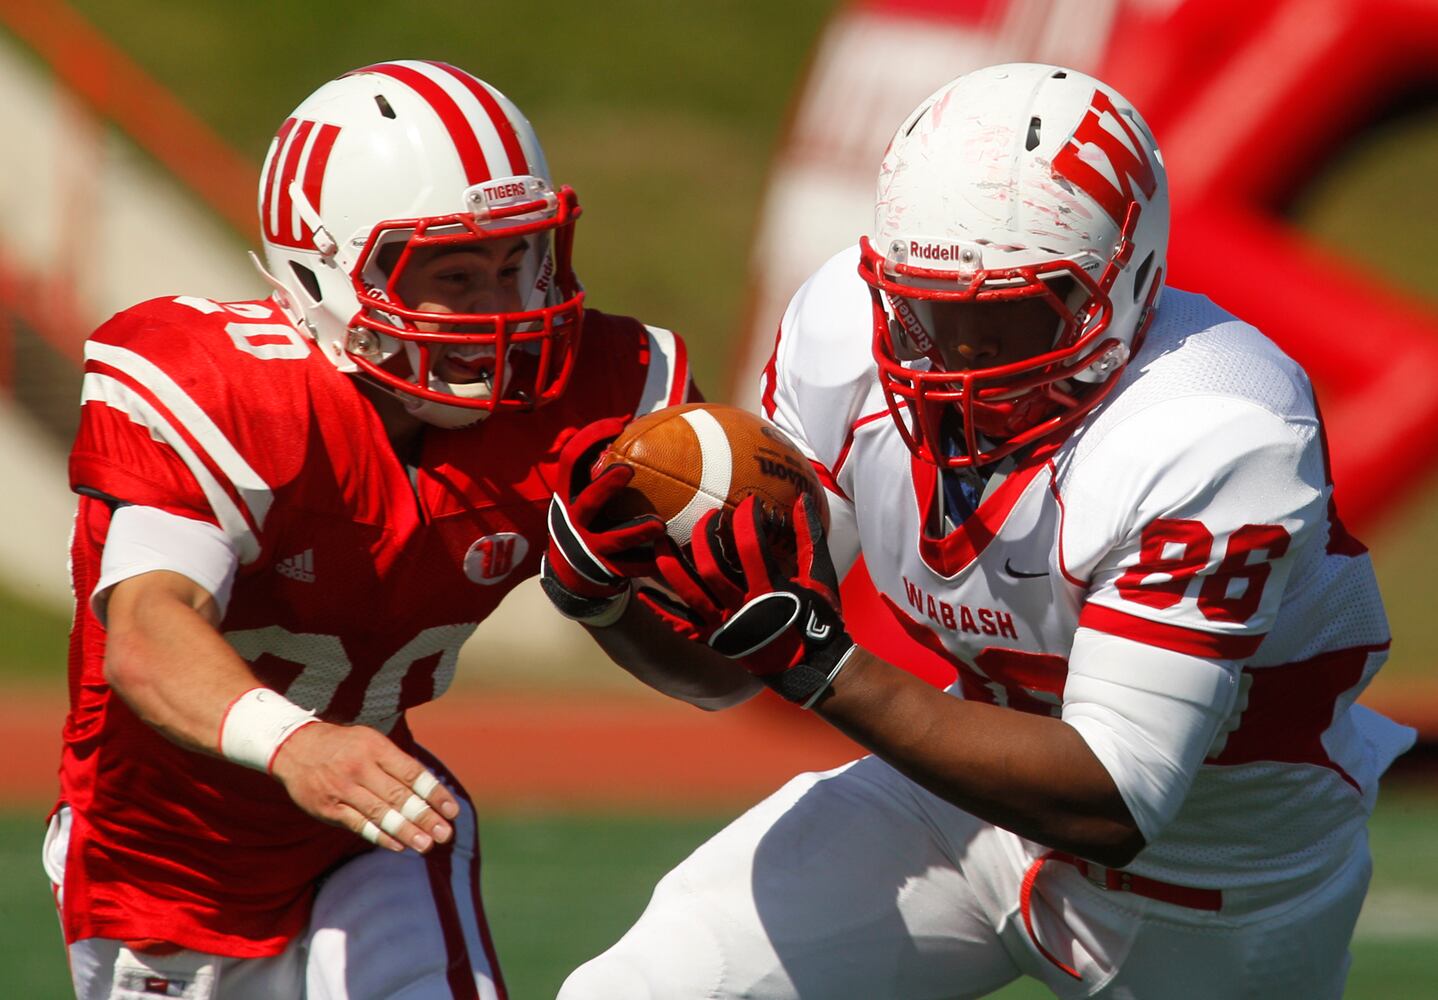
560	888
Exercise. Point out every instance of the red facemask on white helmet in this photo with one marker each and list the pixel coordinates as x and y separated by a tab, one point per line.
395	158
1015	181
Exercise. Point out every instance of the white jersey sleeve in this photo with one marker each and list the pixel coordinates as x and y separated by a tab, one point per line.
1149	715
1185	513
819	384
1187	519
144	539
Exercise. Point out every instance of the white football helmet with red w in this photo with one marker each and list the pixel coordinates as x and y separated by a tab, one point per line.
409	155
1014	181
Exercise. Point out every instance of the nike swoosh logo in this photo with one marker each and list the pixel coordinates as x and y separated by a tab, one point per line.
1019	574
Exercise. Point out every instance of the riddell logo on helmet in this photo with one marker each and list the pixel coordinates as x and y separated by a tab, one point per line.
915	330
935	251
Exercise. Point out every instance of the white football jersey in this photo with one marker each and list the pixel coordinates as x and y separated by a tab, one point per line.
1170	578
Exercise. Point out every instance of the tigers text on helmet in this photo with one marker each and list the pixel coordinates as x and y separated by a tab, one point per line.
385	163
1018	181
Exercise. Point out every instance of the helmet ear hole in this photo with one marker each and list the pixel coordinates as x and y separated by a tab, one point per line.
308	281
1140	278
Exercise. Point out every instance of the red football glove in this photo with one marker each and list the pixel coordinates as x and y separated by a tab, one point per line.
690	608
784	628
587	568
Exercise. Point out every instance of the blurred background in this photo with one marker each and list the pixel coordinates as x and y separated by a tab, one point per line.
721	151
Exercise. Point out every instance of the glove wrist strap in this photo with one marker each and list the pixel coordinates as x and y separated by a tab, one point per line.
595	612
805	683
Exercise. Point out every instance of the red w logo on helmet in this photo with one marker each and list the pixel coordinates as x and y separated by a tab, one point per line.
1128	161
302	149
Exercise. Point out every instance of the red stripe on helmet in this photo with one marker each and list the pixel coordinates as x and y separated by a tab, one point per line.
267	203
315	168
518	162
466	143
284	224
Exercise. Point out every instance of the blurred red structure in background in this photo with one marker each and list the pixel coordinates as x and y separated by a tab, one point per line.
1249	102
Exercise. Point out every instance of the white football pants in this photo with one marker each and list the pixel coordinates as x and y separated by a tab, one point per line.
857	883
384	925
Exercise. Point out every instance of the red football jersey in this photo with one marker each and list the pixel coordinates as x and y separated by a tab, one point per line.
359	580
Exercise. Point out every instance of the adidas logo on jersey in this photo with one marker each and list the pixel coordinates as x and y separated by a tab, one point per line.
300	567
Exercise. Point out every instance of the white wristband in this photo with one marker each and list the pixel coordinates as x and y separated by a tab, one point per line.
256	725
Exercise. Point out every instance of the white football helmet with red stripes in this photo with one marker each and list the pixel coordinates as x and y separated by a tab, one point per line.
412	154
1014	181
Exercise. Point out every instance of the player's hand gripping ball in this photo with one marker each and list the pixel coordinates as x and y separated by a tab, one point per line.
699	457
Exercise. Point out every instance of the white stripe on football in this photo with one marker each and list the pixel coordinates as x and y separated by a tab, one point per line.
699	457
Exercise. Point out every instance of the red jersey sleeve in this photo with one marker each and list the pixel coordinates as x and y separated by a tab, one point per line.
183	409
626	368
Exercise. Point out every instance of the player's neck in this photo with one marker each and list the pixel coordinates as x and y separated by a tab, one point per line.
402	428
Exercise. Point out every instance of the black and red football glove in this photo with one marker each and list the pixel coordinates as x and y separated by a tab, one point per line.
699	588
587	568
784	627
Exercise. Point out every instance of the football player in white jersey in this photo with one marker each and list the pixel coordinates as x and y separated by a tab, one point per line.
1107	504
293	512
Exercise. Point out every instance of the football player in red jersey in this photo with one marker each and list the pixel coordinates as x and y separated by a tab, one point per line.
1110	513
293	512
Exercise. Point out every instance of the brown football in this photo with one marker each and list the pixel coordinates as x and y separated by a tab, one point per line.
698	457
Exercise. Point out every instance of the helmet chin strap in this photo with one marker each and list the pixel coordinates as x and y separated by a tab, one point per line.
440	414
426	410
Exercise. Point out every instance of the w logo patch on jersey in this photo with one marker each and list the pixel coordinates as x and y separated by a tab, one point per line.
494	557
298	157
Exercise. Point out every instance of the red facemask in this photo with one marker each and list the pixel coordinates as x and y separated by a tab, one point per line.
999	409
547	337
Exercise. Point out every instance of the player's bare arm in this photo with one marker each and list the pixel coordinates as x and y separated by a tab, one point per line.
1031	774
167	659
643	644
